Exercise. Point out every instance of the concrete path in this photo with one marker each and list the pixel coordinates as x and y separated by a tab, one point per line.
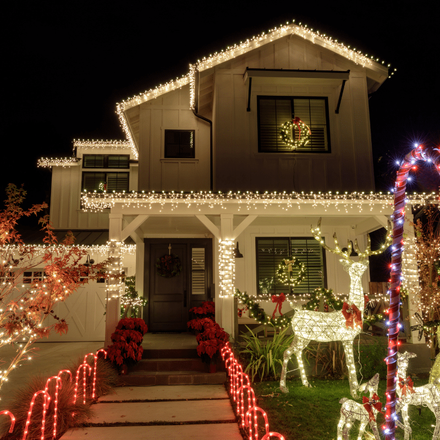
186	412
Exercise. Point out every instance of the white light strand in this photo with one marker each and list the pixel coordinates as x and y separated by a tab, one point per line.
64	162
115	284
226	268
125	249
343	202
101	144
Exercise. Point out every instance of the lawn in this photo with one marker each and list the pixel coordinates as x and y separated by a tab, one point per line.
313	413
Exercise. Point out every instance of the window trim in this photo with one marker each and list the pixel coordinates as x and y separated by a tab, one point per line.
290	241
296	151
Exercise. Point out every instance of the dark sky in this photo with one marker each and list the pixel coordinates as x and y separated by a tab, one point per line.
68	63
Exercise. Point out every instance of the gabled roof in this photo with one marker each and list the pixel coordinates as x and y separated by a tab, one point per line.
371	64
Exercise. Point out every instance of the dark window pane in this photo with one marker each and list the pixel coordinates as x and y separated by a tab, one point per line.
93	161
92	181
117	182
118	161
179	143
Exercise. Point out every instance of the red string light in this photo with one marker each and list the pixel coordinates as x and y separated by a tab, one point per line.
11	416
43	418
85	367
58	386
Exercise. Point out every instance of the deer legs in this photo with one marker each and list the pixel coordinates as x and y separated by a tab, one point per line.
349	360
297	346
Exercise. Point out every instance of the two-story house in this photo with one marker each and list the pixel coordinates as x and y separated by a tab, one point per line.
225	170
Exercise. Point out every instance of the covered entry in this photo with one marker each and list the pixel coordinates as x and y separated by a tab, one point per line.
171	293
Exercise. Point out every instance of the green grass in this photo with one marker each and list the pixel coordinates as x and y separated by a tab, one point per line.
313	413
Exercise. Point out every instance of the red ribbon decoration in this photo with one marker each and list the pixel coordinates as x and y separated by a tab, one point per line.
279	301
297	121
352	315
370	404
406	384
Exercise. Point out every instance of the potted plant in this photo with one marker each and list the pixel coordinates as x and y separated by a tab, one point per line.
126	349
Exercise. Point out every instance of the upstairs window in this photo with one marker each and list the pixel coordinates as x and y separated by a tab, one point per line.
102	181
179	144
293	124
270	253
106	161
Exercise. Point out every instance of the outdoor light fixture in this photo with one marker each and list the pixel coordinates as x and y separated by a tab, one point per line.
237	252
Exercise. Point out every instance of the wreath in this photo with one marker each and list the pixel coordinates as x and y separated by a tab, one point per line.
330	300
304	133
285	272
168	266
258	313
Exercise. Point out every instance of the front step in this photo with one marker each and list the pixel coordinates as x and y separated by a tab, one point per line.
172	367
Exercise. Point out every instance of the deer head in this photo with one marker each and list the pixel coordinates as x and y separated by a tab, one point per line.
351	266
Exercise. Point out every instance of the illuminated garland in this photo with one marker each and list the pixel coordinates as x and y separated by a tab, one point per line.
327	295
304	133
258	313
285	272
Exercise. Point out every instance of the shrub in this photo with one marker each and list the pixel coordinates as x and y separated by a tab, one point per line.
265	357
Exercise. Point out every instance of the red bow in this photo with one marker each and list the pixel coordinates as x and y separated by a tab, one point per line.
352	315
297	121
370	404
279	301
406	384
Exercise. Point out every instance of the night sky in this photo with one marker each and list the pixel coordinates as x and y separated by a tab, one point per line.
67	64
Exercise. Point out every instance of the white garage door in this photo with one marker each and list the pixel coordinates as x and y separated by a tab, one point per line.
84	313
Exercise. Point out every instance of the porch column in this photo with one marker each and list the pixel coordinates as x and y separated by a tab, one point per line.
227	273
115	285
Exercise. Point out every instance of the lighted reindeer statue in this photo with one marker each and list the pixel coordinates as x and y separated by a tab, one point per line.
365	412
342	325
427	395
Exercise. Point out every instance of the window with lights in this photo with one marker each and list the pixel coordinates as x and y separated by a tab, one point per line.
270	253
289	124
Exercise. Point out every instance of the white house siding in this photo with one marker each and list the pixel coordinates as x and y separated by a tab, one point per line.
65	205
171	111
237	163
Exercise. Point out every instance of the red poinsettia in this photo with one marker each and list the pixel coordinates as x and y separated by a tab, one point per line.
127	340
211	337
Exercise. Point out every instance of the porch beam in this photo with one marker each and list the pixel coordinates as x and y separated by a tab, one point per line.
211	226
243	225
369	225
133	225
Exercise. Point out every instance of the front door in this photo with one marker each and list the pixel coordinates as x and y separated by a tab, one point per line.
171	293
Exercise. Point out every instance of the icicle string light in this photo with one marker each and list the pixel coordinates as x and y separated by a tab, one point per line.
400	200
64	162
355	202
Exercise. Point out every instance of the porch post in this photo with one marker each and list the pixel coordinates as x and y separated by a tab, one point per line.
227	273
114	283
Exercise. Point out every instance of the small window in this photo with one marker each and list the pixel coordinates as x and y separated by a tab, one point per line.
101	181
270	253
33	276
293	125
179	143
106	161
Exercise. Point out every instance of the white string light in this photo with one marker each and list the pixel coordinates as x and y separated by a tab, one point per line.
226	268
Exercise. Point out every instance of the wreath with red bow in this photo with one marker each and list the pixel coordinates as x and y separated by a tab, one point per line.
168	266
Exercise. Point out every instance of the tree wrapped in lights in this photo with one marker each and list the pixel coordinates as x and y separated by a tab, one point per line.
344	325
25	309
427	254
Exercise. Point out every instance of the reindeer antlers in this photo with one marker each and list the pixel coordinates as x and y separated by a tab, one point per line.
346	254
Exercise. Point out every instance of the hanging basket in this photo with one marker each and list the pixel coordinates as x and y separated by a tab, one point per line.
168	266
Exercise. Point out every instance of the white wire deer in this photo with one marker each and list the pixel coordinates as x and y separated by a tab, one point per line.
342	325
365	412
427	395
